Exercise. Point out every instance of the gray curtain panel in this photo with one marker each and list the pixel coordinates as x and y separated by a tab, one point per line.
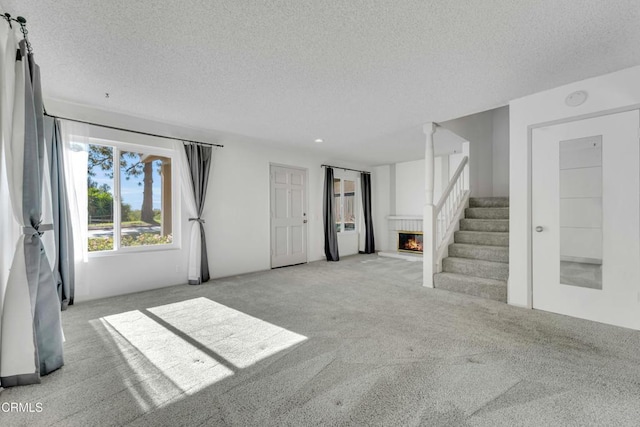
369	241
63	268
47	322
45	306
330	232
199	158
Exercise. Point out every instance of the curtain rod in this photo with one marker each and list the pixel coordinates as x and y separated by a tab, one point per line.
344	169
23	28
134	131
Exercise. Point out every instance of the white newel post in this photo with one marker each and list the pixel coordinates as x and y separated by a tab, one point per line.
429	220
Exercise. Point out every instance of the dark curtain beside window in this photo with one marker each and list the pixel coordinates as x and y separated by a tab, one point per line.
369	242
64	266
199	159
330	232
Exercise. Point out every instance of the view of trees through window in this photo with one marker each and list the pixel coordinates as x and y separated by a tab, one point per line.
143	216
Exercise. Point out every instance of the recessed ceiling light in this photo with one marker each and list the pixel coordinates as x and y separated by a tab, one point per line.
319	141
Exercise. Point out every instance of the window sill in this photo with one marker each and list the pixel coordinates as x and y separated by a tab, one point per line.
134	250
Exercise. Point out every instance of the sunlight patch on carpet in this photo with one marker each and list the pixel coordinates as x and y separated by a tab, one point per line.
240	339
179	349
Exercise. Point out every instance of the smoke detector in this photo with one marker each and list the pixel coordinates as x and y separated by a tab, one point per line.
576	98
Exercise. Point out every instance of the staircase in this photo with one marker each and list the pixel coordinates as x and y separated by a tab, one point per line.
478	262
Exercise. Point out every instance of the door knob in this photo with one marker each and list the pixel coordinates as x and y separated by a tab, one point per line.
304	222
539	229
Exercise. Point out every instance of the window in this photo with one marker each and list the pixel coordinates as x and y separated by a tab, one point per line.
344	191
130	197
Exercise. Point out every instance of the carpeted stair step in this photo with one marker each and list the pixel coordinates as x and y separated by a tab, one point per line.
485	238
487	253
476	267
487	213
484	225
477	286
489	202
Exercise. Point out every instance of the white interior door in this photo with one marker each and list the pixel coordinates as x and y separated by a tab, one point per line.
586	219
288	216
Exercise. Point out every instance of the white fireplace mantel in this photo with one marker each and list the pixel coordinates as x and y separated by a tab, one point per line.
408	217
404	223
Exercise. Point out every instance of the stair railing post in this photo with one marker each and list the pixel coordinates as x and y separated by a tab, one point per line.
430	229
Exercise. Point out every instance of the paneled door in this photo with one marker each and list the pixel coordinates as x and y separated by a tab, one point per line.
586	219
288	216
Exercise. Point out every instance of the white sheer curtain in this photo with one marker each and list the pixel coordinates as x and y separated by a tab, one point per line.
193	269
76	154
9	229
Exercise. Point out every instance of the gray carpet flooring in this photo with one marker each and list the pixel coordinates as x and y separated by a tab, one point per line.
358	342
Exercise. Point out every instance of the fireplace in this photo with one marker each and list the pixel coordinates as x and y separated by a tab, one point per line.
410	241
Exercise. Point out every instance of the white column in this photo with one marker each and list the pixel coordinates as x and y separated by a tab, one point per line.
429	169
429	220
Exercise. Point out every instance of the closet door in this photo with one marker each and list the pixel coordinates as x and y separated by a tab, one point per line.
586	219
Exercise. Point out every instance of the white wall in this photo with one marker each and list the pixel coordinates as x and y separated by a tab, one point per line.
237	209
237	221
381	203
410	184
392	189
236	213
612	91
410	187
442	175
478	130
500	161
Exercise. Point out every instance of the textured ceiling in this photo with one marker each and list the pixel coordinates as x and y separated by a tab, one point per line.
361	74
